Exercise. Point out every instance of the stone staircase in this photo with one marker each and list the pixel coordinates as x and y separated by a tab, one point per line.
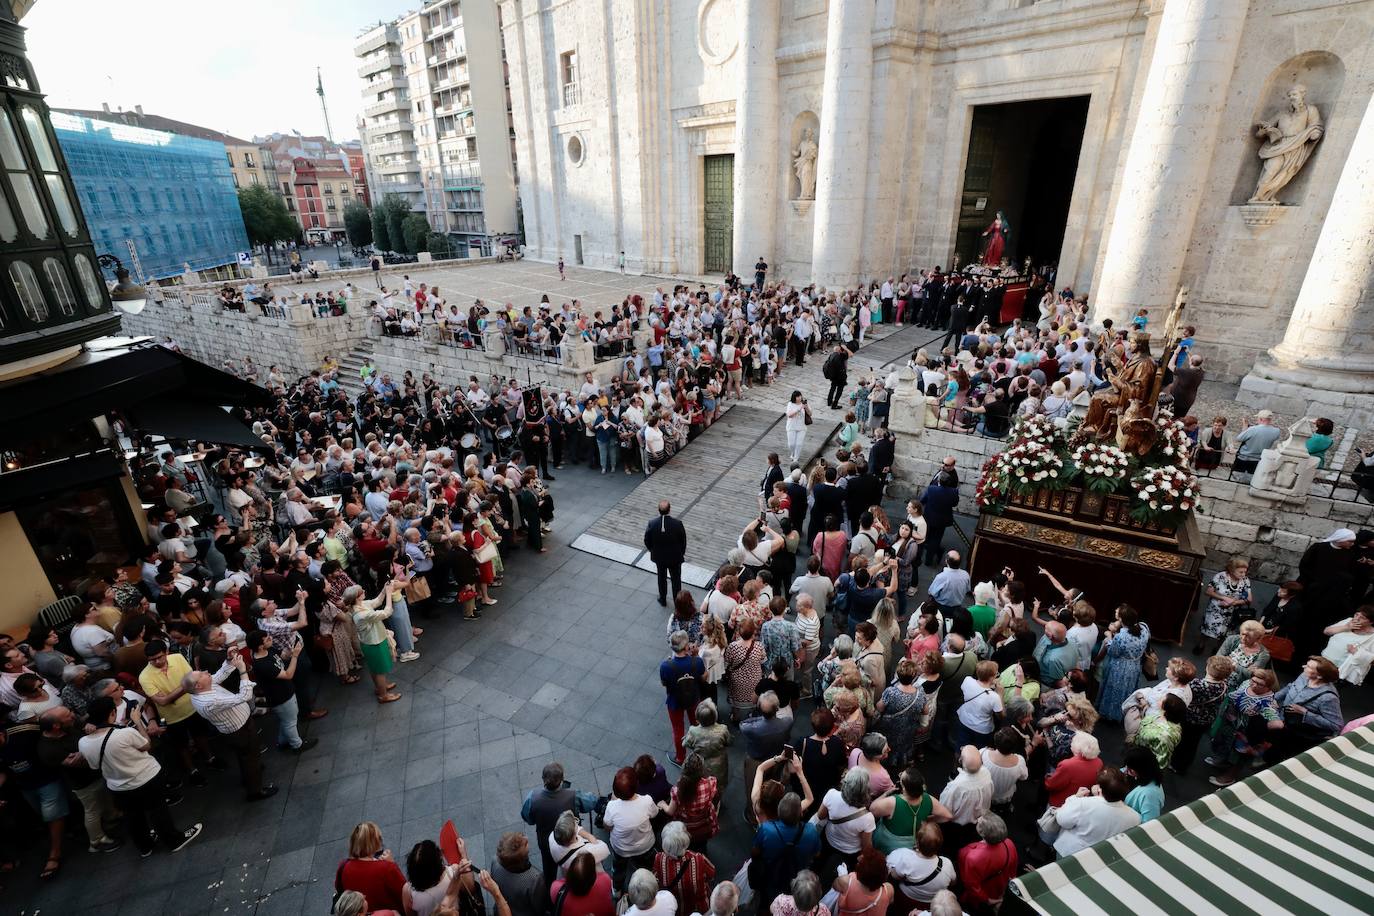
349	379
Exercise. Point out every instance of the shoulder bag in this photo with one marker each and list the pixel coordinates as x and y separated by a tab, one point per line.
487	552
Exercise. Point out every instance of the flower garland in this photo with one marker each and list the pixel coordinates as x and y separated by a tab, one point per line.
1173	445
1164	494
1102	467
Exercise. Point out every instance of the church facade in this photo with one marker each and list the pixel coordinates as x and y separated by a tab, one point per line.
1139	145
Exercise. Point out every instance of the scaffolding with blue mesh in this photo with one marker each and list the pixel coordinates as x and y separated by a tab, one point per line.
172	196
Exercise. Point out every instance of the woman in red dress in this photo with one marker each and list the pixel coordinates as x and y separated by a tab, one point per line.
486	571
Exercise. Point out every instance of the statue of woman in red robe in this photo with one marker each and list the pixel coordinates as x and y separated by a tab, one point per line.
996	236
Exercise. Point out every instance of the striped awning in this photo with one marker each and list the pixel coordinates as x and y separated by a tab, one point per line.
1297	838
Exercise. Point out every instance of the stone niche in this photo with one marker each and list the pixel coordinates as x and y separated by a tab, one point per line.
1323	73
806	120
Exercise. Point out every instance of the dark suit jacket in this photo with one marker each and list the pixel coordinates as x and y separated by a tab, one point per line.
862	492
666	539
796	494
771	476
829	501
881	455
939	504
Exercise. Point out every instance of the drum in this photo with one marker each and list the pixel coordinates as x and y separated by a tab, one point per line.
469	440
504	432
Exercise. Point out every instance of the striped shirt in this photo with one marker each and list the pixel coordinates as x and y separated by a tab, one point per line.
226	711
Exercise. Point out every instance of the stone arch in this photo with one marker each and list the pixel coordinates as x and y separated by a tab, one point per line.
804	121
1323	73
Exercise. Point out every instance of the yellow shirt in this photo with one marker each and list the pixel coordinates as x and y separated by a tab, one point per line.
109	617
154	681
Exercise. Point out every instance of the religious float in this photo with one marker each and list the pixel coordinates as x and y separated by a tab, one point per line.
1103	500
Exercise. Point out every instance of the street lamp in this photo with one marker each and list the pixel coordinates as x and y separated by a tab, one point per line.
127	295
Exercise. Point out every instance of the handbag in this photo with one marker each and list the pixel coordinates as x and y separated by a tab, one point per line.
1149	664
487	552
1049	824
1279	648
417	590
806	416
324	642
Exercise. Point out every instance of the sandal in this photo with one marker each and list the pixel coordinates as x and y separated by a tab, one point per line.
488	601
50	869
391	685
350	679
416	631
389	698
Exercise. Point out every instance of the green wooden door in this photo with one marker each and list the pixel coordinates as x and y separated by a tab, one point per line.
719	212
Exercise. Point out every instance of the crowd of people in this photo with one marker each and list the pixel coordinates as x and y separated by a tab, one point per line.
849	684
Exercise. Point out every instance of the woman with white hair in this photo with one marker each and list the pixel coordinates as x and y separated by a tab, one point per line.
684	873
1057	405
372	636
987	868
1079	771
646	899
849	824
804	899
725	900
984	608
567	838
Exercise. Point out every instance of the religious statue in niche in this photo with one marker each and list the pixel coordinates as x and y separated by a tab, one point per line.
1288	141
804	165
996	236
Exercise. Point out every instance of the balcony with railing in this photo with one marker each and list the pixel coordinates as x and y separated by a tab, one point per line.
459	176
390	125
396	166
382	83
394	143
380	62
374	40
399	187
571	95
394	103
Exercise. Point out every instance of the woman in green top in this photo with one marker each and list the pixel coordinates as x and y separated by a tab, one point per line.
710	739
367	619
901	812
1320	441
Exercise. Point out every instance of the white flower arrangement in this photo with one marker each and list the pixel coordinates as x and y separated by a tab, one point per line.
1163	491
1102	466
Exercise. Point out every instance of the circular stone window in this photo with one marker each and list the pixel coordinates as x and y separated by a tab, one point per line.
717	30
575	151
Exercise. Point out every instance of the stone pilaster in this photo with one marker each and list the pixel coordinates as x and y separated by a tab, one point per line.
842	160
1169	155
757	153
1329	343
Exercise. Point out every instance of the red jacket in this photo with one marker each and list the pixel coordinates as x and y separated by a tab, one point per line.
986	871
1071	775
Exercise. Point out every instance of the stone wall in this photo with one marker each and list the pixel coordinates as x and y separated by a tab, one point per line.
1233	521
297	342
453	364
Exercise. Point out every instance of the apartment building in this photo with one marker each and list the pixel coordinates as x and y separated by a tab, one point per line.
436	113
318	178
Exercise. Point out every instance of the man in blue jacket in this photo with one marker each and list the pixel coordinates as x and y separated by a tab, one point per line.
666	540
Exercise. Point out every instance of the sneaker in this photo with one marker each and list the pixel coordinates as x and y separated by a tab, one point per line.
550	477
1211	761
408	656
191	833
306	745
1220	781
104	846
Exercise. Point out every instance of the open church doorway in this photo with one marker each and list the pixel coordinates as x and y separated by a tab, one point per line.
1022	159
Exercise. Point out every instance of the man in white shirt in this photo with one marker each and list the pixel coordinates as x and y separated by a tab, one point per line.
92	642
968	796
1087	818
232	715
133	776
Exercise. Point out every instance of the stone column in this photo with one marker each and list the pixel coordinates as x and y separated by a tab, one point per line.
1169	155
756	138
842	162
1329	344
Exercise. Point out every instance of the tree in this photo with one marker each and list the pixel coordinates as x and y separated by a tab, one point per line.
358	223
381	239
265	217
439	245
397	209
415	231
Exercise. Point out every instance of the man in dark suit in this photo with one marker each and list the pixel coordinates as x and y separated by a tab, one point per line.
829	500
862	492
796	499
666	540
958	322
939	502
881	456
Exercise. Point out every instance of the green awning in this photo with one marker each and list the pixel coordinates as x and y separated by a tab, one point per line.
1297	838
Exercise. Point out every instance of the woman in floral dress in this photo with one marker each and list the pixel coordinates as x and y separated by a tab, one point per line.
899	712
743	670
1127	639
1229	592
345	652
1247	716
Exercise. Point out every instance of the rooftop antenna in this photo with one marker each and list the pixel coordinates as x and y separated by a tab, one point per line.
319	90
